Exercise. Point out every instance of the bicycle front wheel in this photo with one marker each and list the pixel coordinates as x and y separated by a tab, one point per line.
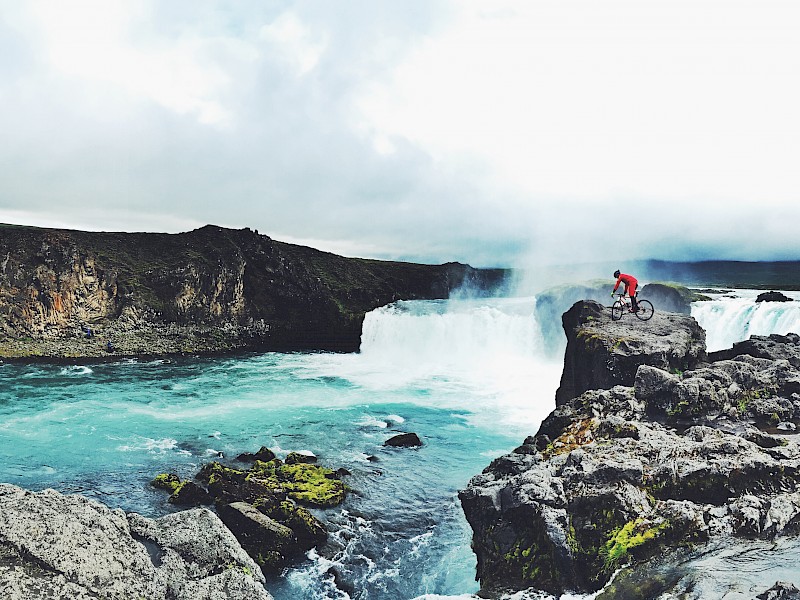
617	310
646	310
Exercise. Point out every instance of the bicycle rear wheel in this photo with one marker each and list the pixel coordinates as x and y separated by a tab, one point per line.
646	310
617	309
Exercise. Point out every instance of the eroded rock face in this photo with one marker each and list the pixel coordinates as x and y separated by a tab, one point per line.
650	447
67	546
208	290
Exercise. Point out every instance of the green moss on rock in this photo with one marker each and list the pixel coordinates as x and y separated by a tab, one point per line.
311	484
624	539
166	481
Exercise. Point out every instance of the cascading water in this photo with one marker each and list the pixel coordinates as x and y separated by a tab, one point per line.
734	316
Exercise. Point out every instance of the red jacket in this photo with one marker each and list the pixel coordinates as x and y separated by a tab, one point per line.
629	281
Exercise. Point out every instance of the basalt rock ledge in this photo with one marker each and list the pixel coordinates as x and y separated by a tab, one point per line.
653	446
75	294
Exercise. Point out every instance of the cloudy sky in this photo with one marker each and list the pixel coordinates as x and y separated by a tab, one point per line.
492	132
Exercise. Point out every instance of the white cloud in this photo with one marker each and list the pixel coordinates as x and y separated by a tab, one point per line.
295	43
426	129
588	100
95	40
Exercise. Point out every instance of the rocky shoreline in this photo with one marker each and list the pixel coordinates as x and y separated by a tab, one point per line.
653	446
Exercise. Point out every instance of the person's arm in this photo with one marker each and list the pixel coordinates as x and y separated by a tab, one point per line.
616	286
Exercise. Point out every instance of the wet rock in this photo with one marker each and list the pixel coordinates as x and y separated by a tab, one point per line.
404	440
272	543
276	491
294	458
773	297
264	455
189	493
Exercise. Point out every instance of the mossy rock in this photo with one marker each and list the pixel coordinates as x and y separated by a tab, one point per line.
189	493
624	540
294	458
312	485
166	481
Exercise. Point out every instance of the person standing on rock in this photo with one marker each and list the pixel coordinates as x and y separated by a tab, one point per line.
630	283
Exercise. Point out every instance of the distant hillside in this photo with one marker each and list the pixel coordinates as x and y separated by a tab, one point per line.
783	275
208	290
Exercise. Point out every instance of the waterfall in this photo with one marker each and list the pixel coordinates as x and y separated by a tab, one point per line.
490	350
735	316
453	332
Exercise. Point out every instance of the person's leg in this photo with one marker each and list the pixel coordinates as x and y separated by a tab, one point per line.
634	304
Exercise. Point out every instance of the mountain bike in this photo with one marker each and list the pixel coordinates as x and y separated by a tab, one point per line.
623	305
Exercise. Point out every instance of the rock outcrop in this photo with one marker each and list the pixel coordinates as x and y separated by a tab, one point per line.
552	303
650	447
265	505
602	353
67	546
67	294
773	297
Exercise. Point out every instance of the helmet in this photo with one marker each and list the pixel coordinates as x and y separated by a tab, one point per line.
616	273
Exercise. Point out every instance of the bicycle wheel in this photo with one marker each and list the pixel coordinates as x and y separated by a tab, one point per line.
617	310
646	310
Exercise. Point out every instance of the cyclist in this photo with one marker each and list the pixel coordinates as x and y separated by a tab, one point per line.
630	283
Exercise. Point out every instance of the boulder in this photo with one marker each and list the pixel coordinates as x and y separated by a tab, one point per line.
773	297
782	590
404	440
271	543
67	546
294	458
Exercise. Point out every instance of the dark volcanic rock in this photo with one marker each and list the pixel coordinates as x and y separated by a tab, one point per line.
404	440
272	542
602	353
773	347
262	505
208	290
264	454
773	297
650	447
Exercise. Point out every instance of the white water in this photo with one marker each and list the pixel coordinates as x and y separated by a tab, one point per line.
486	356
735	316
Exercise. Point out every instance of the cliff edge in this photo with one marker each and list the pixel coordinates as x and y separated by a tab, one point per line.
651	447
68	294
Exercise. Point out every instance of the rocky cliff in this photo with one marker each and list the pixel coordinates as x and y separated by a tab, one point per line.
652	446
69	293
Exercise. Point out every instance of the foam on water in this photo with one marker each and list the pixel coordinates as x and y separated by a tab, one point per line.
735	316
